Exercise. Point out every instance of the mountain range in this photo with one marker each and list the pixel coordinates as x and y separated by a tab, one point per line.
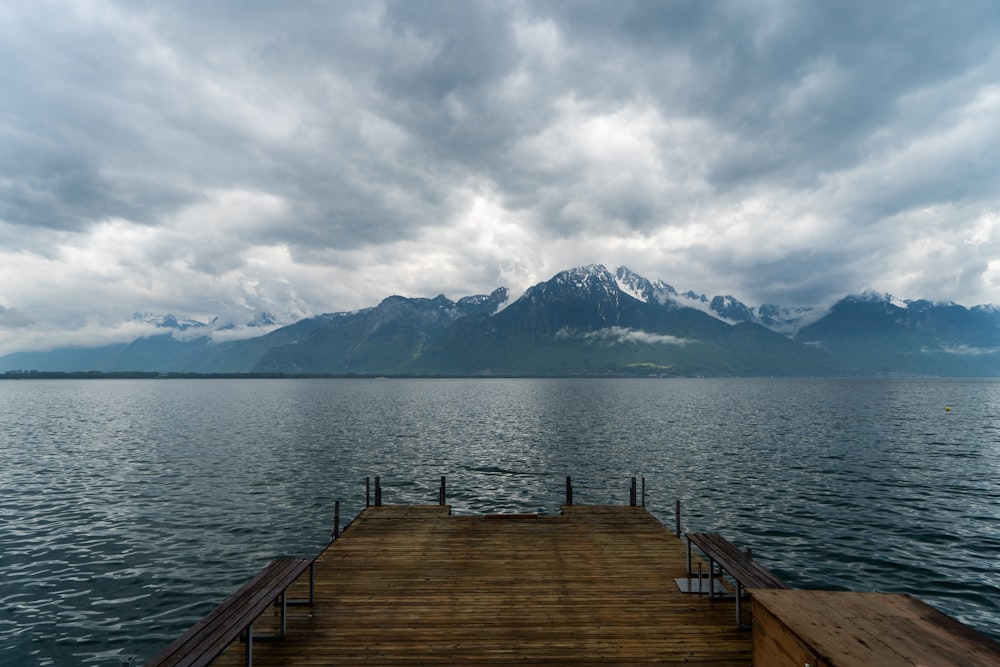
586	321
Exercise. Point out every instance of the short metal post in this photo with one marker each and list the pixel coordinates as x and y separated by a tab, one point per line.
441	492
249	654
336	519
631	494
378	491
368	491
569	491
739	594
677	515
643	491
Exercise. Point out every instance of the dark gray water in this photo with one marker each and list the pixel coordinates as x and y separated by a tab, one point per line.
128	509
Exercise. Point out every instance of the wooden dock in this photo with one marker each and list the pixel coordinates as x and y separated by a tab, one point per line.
416	585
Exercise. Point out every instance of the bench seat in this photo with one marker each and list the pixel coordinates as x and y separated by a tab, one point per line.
219	628
745	571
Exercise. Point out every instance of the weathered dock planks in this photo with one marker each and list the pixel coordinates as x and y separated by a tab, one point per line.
416	585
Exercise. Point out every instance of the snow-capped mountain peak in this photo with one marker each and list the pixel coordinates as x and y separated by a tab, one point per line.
584	275
873	296
262	319
167	321
633	284
641	288
591	279
732	309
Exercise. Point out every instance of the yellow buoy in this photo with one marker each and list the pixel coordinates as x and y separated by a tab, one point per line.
947	408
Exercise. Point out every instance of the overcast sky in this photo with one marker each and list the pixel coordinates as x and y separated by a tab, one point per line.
226	158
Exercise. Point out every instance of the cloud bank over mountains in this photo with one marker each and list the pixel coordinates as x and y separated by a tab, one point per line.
231	159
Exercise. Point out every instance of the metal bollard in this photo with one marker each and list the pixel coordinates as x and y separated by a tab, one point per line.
336	519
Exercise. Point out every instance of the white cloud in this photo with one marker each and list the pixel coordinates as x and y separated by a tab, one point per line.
970	351
623	336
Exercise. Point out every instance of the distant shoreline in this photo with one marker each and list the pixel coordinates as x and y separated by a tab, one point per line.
154	375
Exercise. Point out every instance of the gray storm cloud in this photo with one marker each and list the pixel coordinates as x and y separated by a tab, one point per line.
231	158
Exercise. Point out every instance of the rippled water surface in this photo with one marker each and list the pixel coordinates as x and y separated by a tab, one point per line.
128	509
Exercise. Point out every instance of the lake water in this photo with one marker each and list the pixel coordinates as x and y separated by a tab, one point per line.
128	509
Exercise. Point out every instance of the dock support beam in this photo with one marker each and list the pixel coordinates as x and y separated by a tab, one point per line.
378	491
631	494
441	499
569	491
677	517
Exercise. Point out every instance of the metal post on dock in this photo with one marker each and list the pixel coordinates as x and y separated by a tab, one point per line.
368	491
643	491
378	491
248	657
677	515
631	494
441	493
569	491
336	519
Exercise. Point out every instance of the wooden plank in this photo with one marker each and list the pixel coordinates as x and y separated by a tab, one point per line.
852	629
774	645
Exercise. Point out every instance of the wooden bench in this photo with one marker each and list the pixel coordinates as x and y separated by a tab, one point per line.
745	571
212	634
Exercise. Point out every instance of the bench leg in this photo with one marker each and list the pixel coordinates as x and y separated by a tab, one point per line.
739	608
284	610
312	590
